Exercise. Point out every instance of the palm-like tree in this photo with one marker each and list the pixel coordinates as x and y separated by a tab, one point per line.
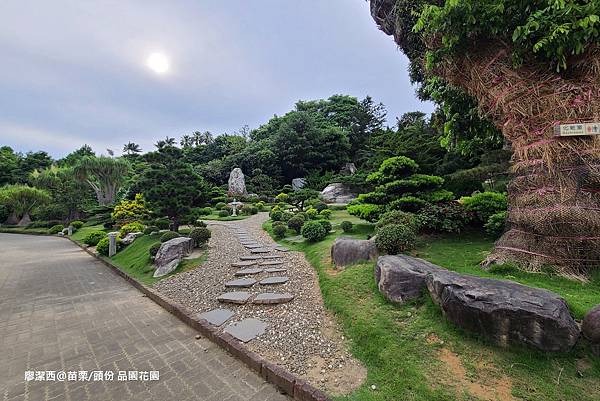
20	200
187	141
169	141
104	174
131	148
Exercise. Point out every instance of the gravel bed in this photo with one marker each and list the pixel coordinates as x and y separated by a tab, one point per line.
301	335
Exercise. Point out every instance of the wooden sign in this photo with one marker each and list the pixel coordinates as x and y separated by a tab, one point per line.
577	129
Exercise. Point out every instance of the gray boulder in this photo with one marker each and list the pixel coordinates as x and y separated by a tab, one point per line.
237	183
129	238
346	251
337	193
591	328
171	253
298	183
401	278
503	311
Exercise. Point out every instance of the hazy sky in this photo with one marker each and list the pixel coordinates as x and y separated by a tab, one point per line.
74	72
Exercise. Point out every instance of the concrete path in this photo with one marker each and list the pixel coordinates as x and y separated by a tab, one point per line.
63	311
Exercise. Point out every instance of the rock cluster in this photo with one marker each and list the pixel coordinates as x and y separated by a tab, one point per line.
346	251
171	253
503	311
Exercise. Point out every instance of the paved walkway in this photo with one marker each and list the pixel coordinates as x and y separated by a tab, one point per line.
61	310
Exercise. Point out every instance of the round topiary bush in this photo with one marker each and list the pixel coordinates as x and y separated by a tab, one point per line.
204	211
397	217
325	214
321	206
395	238
102	246
56	229
93	238
200	236
279	230
220	205
133	227
276	215
311	213
313	231
76	224
154	249
326	225
346	226
296	223
223	213
199	223
150	229
169	235
163	223
249	209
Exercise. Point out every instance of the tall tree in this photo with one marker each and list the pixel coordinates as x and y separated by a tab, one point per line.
528	65
104	174
131	148
20	200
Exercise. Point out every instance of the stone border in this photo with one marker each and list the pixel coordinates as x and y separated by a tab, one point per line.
291	385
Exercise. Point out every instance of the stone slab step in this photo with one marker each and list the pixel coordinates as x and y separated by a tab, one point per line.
275	270
247	329
244	263
241	282
251	257
254	246
272	257
216	317
274	280
281	248
245	272
272	263
235	297
270	298
260	250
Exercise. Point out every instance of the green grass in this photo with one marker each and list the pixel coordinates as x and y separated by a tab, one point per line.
23	230
135	260
392	341
214	216
80	234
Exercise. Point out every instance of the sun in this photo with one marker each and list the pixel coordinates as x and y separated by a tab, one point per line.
158	62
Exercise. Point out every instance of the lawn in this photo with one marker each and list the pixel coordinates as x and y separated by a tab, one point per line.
412	353
214	216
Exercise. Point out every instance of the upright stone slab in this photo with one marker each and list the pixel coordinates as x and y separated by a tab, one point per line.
112	244
70	231
237	183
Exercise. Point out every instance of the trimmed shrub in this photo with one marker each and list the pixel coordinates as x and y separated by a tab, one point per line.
279	230
395	238
346	226
261	206
296	223
220	205
311	213
77	224
397	217
485	204
286	216
446	218
93	238
249	209
199	223
162	223
223	213
325	213
204	211
169	235
313	231
276	215
56	229
366	212
408	204
496	224
200	236
282	197
103	246
128	211
321	206
133	227
150	229
326	225
154	249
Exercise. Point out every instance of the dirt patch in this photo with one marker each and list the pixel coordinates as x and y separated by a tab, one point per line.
487	386
337	379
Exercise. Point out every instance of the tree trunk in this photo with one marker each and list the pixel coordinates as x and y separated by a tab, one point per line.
26	219
554	196
12	219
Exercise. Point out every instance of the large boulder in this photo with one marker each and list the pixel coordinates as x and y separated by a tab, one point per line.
237	183
337	193
401	278
171	253
346	251
591	328
503	311
130	237
298	183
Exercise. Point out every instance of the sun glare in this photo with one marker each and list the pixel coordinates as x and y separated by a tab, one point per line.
158	62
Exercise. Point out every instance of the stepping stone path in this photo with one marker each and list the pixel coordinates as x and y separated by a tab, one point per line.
268	298
273	280
245	272
247	329
256	263
241	282
236	297
216	317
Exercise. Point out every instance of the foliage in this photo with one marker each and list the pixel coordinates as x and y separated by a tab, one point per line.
496	224
276	213
162	223
296	223
169	235
203	211
93	238
325	213
282	197
300	197
279	230
153	250
346	226
223	213
104	174
77	224
150	229
395	238
56	229
397	217
485	204
131	210
200	236
102	247
326	225
249	209
220	205
448	217
313	231
311	213
367	211
22	199
133	227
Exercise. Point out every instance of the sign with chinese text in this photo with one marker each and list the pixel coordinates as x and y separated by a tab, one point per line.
577	129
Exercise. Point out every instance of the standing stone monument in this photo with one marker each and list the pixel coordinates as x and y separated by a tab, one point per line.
236	183
112	244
